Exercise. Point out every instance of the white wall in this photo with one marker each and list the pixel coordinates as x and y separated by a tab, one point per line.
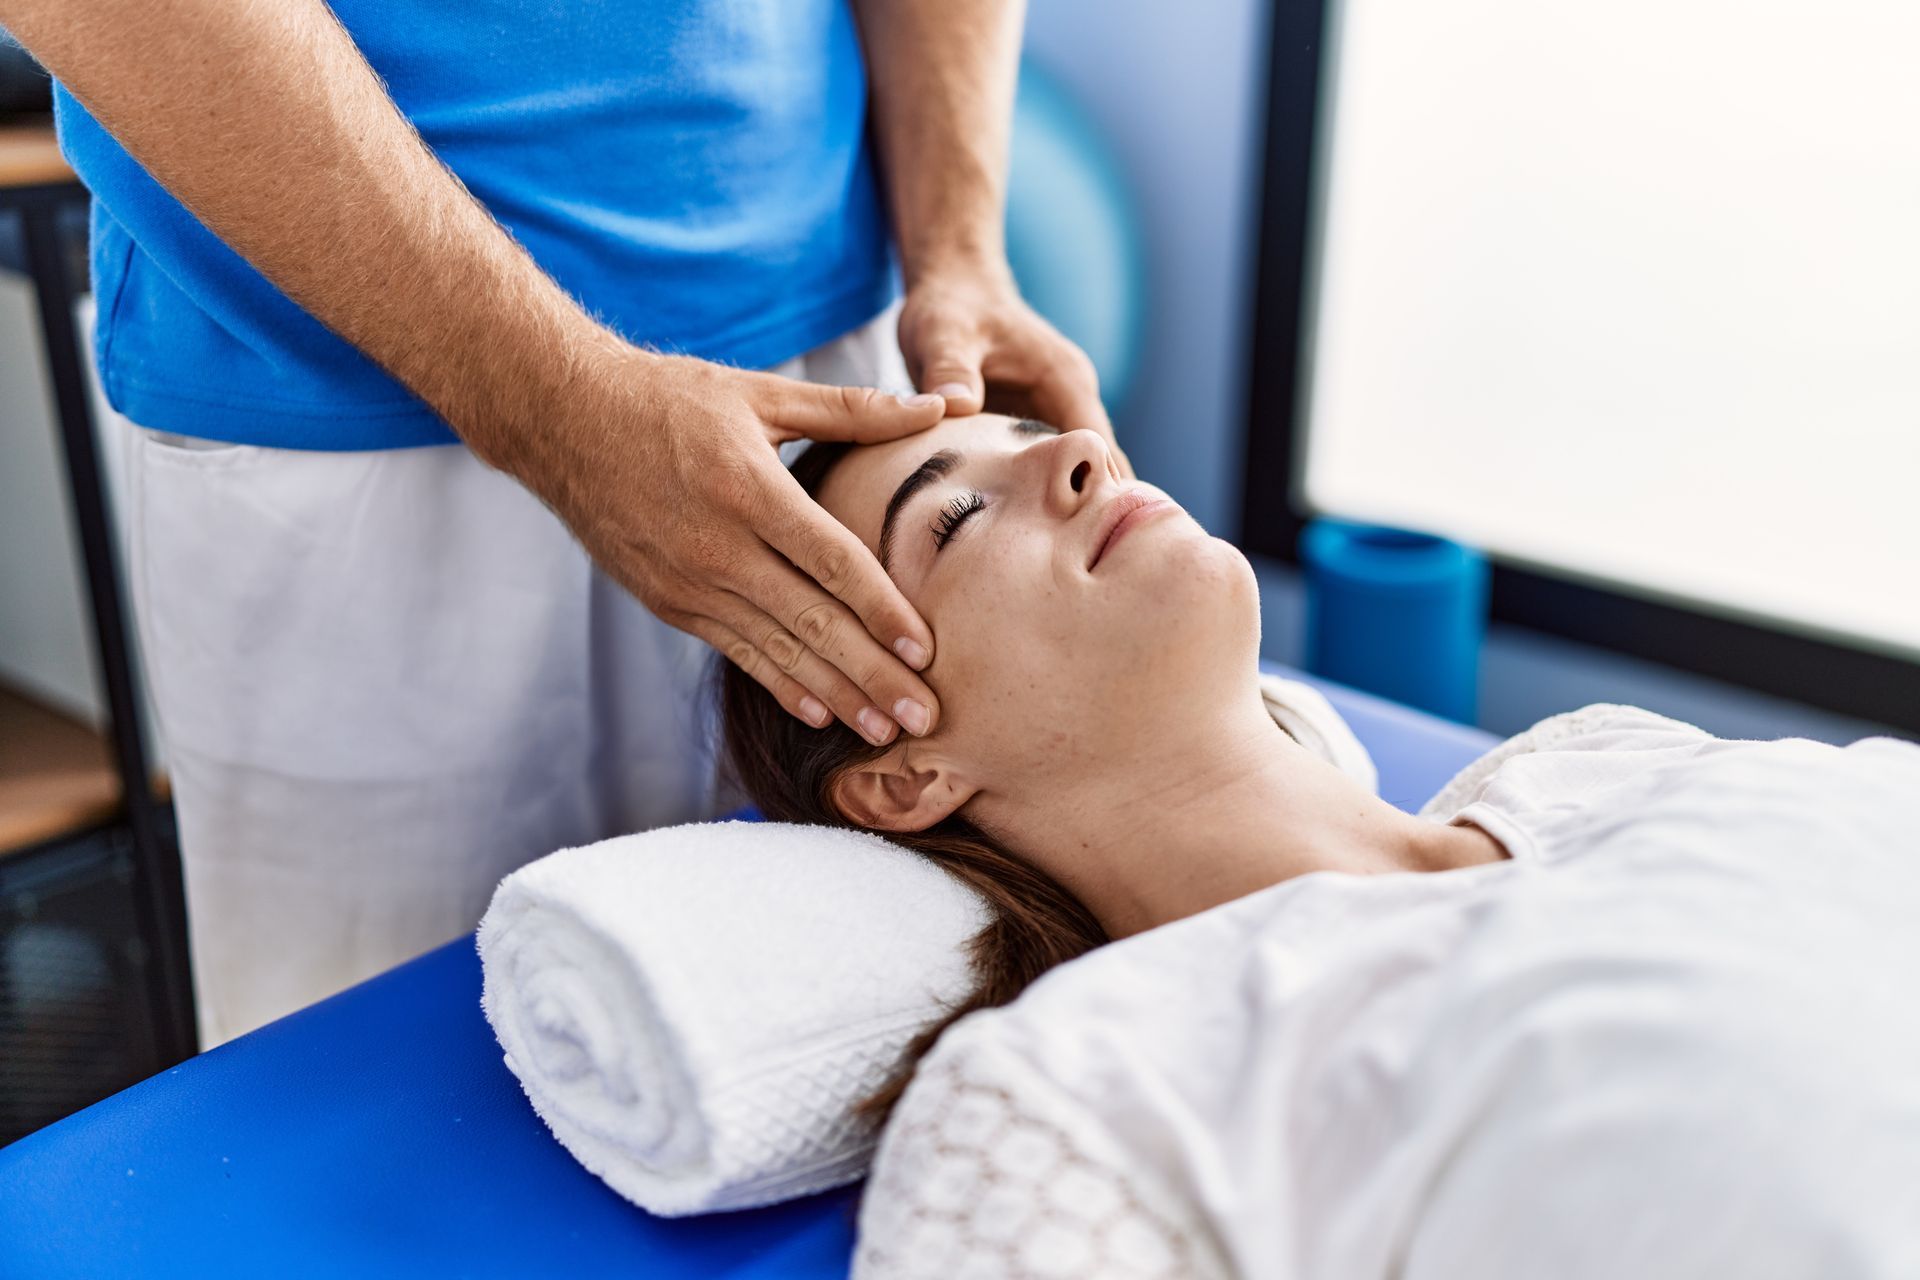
46	622
45	643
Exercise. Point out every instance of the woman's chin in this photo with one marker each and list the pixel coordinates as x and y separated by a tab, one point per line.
1193	597
1200	571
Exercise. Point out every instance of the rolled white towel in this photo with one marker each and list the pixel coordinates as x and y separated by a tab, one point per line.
695	1010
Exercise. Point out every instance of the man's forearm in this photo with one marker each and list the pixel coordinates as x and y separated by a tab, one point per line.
943	74
263	118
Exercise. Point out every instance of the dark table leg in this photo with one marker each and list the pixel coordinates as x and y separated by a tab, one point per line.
159	892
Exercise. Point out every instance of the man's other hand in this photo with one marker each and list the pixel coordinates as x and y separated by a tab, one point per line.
971	339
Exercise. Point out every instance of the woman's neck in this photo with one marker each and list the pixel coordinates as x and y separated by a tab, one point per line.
1229	808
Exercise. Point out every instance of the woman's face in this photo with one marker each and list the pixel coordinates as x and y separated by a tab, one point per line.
1055	644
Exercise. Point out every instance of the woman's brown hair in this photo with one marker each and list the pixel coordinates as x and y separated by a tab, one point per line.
787	769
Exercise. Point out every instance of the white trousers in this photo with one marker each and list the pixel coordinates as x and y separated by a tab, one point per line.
383	681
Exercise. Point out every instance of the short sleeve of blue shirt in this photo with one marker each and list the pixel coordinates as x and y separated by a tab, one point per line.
695	172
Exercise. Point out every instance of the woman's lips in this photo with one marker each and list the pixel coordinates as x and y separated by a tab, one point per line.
1126	511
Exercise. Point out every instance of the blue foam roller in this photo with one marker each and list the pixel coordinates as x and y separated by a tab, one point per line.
1398	613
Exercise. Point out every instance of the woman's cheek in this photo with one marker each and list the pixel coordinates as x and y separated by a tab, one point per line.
996	616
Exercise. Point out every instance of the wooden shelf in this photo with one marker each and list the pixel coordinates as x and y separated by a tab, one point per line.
56	774
29	156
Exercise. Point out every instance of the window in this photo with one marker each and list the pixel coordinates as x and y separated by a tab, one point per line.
1627	295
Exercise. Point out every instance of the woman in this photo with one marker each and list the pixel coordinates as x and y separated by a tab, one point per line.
1624	999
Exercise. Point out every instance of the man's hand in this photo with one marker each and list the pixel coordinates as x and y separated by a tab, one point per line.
677	491
971	339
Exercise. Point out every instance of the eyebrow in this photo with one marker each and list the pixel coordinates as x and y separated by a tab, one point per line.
932	469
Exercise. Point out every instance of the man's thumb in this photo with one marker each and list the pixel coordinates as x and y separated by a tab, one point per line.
850	413
950	375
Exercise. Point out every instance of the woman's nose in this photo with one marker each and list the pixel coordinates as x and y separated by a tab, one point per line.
1079	466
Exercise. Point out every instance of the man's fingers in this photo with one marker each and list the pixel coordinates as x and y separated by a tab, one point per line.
1068	396
790	693
828	552
855	617
824	627
951	370
861	414
826	684
1068	393
944	354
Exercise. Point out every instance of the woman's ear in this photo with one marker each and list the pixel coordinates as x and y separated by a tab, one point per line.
892	793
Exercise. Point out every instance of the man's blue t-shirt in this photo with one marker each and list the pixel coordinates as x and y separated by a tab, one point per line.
695	172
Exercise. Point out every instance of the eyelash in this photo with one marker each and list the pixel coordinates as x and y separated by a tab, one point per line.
948	522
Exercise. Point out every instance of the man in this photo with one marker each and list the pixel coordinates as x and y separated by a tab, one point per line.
386	675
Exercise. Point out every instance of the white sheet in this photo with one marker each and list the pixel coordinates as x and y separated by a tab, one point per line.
1673	1037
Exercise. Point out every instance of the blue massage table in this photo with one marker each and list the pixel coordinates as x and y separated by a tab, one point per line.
378	1133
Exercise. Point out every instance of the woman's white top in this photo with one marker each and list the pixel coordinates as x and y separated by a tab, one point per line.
1676	1035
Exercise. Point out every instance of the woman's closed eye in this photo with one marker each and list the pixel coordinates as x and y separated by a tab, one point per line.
953	515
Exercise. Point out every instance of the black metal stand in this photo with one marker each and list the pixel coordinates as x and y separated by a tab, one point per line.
158	888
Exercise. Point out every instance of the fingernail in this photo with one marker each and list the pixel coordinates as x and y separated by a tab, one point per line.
925	400
953	390
874	725
911	652
814	710
913	717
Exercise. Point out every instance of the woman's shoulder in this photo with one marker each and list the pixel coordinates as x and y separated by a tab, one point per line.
988	1149
1134	1025
1129	1019
1595	727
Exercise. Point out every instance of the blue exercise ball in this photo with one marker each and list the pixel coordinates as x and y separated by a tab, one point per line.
1073	236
